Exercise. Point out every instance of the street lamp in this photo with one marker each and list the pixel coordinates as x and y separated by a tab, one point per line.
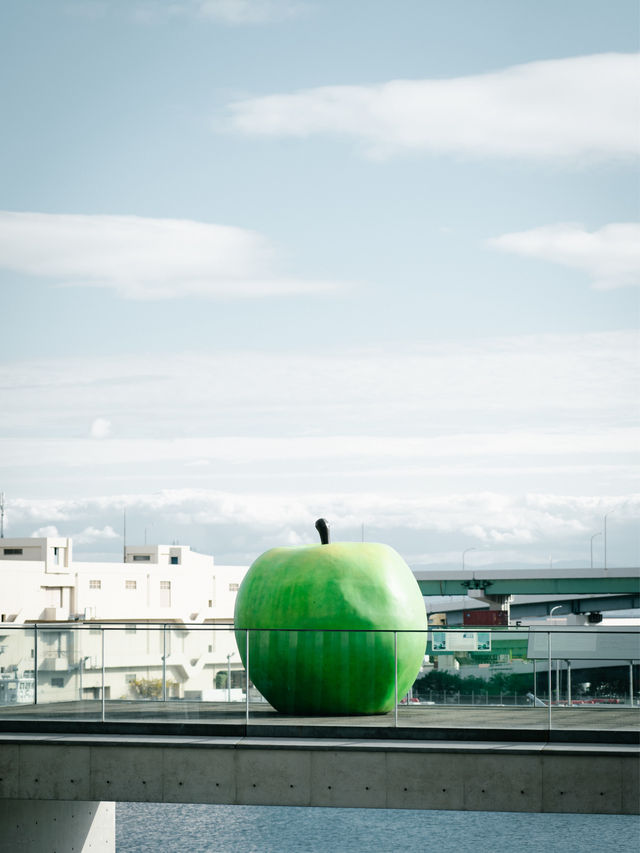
592	538
604	525
466	551
604	529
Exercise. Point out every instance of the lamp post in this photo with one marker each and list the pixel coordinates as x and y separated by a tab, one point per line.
604	530
592	538
604	526
466	551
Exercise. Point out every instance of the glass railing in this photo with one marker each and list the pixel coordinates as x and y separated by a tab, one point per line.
536	677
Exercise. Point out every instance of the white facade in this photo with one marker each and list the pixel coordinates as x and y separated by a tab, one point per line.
40	582
166	596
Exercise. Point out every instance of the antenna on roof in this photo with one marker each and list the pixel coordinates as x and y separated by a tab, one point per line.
1	515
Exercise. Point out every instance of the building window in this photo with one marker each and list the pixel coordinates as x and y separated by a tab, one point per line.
174	561
233	587
57	682
141	558
130	677
12	552
130	584
95	584
165	593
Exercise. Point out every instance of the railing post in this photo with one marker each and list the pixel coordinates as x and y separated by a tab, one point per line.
35	664
549	691
395	676
102	685
247	679
535	683
569	699
164	662
631	683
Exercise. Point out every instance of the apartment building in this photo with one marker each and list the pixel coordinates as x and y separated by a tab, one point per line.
155	625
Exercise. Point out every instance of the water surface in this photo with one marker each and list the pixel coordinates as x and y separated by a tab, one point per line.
175	828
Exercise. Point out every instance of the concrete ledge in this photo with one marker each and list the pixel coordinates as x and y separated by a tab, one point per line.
340	731
492	776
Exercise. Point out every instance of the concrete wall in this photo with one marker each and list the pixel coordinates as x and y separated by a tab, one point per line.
390	774
47	826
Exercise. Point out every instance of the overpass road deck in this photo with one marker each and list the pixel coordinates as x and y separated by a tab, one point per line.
60	775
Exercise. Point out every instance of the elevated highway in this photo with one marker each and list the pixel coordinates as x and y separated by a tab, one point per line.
531	607
499	582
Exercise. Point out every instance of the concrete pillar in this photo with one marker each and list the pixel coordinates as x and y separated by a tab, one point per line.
57	826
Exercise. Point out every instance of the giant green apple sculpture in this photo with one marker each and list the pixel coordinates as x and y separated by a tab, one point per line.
363	596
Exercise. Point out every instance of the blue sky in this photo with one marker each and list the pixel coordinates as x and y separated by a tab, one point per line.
264	260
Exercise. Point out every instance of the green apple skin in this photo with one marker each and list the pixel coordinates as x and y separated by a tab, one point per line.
338	587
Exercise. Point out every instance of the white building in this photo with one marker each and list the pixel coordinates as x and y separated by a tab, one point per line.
159	616
40	581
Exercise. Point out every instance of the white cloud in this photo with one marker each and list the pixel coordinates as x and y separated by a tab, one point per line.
100	428
91	9
146	258
239	12
94	534
372	454
461	440
84	537
611	255
43	532
519	527
229	12
552	384
580	107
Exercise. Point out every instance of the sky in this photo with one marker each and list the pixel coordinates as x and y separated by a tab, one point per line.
263	261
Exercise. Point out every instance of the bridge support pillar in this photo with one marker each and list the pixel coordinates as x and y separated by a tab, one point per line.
495	602
57	826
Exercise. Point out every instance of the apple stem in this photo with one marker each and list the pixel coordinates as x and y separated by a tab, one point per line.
322	526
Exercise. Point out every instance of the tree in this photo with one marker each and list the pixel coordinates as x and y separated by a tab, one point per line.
149	688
